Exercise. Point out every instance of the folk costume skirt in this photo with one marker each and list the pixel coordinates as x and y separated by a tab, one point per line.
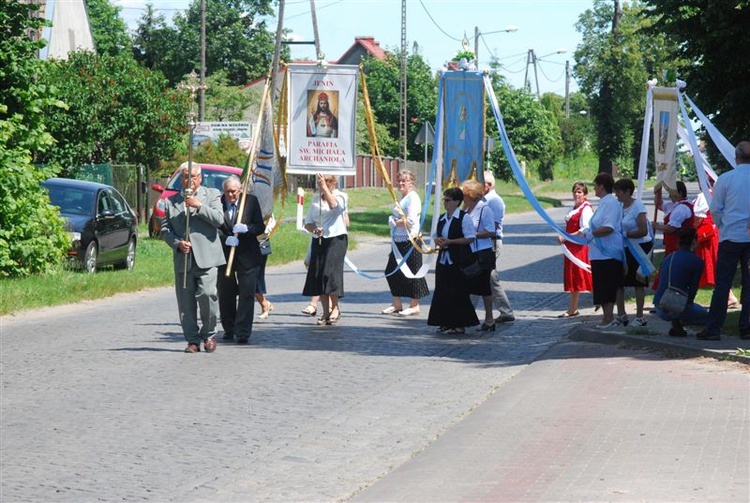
576	279
400	285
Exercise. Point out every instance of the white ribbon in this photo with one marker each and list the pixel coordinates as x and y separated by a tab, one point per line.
580	263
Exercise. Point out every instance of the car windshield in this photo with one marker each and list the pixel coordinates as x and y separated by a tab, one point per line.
72	201
211	178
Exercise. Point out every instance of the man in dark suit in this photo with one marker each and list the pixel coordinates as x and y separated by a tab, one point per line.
237	292
196	246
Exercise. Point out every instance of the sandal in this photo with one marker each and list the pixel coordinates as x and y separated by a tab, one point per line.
332	320
568	315
267	308
457	331
310	310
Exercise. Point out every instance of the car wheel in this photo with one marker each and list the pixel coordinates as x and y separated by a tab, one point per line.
129	261
89	259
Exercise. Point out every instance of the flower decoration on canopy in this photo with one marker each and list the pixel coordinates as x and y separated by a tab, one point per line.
464	59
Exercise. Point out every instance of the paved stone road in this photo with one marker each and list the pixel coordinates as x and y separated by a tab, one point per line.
99	403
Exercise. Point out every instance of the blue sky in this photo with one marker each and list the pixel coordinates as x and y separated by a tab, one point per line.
437	26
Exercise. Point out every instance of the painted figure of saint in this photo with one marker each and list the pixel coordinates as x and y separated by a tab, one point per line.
323	123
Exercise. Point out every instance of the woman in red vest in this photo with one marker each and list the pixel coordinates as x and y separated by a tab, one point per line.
575	279
678	214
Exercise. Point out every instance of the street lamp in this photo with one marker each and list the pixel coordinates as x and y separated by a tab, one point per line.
477	33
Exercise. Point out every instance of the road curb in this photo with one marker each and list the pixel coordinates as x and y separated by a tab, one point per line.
584	334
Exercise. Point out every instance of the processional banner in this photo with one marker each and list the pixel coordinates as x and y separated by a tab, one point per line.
322	119
463	102
666	121
268	176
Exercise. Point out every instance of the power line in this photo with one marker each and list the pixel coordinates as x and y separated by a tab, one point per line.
436	24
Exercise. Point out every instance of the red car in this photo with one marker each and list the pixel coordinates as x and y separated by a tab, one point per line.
213	177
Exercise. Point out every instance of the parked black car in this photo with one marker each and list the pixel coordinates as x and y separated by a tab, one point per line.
102	226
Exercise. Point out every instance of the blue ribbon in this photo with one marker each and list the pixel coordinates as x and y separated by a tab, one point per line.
513	161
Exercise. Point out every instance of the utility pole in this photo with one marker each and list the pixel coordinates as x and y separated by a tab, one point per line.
202	96
403	129
476	45
318	54
277	51
567	89
536	76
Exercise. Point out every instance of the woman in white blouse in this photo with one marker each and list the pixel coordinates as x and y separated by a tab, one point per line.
484	224
326	220
404	222
451	309
635	227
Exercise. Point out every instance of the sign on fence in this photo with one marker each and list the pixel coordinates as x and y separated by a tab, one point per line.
240	131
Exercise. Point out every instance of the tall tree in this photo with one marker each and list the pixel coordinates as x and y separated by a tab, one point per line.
109	31
225	102
32	236
383	77
712	36
238	40
118	111
532	130
613	63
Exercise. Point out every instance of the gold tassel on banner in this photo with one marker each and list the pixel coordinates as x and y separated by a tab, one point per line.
452	179
416	241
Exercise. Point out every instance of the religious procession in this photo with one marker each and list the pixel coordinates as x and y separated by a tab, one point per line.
605	249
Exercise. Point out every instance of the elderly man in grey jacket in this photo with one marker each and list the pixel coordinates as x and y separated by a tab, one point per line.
197	254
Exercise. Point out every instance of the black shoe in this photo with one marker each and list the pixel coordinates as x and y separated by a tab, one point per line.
745	333
705	336
677	332
227	337
504	318
242	341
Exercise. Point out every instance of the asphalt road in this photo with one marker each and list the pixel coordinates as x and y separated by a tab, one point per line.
99	403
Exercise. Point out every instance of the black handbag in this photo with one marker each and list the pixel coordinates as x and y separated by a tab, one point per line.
265	247
471	270
486	259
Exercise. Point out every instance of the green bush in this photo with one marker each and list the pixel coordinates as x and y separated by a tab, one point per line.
32	237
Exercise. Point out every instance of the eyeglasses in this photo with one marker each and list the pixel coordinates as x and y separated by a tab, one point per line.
448	199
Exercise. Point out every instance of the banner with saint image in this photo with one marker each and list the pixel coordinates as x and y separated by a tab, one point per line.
322	119
666	121
463	102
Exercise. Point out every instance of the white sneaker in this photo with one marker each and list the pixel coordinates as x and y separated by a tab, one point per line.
638	322
409	311
390	310
609	326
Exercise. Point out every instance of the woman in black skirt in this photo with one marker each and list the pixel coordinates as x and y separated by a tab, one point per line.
405	223
451	309
326	220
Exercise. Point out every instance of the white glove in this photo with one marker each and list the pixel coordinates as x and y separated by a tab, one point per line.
239	228
232	241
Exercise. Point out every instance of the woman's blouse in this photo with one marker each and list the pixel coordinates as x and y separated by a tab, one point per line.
483	219
411	204
467	228
586	213
678	212
330	219
630	221
607	214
